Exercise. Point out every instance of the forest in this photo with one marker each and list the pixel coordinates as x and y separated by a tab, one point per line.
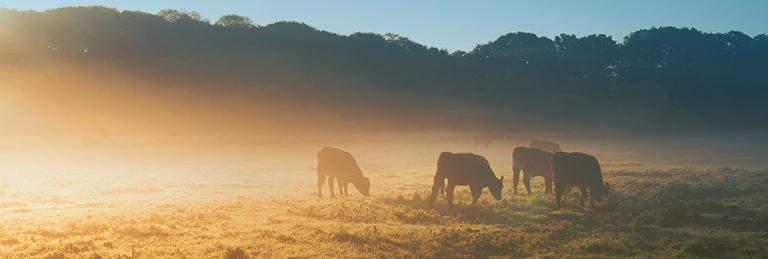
99	69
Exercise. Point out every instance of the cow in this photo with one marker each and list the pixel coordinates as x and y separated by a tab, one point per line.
548	146
578	170
340	165
533	162
464	169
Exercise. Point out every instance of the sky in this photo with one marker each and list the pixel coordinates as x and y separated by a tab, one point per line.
461	25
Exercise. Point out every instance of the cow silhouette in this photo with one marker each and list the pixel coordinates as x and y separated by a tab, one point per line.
340	165
464	169
533	162
578	170
548	146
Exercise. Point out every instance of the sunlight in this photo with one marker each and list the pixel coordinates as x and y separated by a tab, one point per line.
5	105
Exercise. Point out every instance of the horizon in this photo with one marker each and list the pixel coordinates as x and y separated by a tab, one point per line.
455	26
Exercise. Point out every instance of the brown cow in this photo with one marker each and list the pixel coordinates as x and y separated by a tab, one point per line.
533	162
464	169
578	170
339	164
548	146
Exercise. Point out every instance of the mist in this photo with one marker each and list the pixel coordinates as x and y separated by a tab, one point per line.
87	70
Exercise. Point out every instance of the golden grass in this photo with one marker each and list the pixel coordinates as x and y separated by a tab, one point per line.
255	202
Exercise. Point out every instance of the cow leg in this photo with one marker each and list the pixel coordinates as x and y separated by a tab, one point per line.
341	184
449	195
330	185
559	193
476	191
344	187
435	190
548	184
515	177
320	180
583	196
527	181
528	172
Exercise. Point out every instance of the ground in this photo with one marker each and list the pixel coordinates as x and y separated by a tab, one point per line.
695	195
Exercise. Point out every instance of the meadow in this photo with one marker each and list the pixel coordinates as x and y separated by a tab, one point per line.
695	195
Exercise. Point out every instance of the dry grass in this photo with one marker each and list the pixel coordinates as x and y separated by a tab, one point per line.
189	201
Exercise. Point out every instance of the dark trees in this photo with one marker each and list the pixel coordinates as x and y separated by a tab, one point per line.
235	20
656	78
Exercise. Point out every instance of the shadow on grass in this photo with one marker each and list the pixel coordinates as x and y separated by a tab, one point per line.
716	214
369	237
510	210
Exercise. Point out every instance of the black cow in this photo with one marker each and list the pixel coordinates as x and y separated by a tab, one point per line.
464	169
339	164
578	170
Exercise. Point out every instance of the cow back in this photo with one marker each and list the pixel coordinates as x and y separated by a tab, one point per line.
465	169
533	155
534	162
576	169
338	163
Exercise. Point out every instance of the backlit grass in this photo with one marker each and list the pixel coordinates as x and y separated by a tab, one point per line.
719	213
248	202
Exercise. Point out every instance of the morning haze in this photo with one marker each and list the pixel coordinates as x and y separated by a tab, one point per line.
125	134
133	72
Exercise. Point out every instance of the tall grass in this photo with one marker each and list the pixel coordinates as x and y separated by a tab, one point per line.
677	213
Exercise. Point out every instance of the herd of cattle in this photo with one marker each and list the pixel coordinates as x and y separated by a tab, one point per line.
540	158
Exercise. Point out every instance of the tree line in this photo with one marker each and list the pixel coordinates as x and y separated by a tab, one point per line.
661	78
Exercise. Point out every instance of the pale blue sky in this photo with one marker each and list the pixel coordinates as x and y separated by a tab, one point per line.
461	25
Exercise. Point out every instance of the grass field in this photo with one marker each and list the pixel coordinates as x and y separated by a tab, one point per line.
703	195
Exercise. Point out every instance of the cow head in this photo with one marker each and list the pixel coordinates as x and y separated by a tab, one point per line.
496	187
363	186
598	194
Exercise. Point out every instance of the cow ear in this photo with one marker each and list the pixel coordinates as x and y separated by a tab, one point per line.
502	178
607	187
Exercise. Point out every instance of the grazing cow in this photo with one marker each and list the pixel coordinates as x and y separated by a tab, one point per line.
464	169
533	162
578	170
548	146
339	164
